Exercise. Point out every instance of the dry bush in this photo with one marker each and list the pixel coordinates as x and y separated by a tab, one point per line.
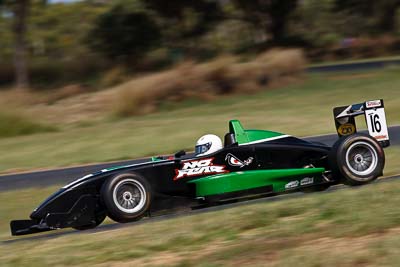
65	92
28	97
12	97
283	62
113	76
206	81
141	95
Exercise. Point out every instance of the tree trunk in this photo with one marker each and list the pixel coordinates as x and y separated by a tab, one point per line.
278	29
21	10
279	13
387	21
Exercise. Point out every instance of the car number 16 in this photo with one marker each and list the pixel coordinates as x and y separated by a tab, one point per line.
376	123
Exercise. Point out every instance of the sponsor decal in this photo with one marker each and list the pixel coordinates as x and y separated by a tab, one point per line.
198	167
307	180
234	161
292	184
379	137
346	129
373	104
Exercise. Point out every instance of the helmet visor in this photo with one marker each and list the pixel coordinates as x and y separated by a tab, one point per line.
200	149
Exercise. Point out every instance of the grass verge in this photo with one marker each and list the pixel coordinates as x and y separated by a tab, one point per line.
350	227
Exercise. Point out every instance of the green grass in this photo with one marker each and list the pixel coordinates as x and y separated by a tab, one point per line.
301	109
348	227
13	125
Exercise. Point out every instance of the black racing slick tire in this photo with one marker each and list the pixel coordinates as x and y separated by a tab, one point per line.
127	197
358	159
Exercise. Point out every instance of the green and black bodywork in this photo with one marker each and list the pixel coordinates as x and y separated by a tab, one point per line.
251	163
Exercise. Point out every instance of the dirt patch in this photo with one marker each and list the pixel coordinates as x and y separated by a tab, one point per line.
340	245
160	259
169	258
84	107
69	104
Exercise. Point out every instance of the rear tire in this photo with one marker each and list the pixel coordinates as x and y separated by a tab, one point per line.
358	159
127	197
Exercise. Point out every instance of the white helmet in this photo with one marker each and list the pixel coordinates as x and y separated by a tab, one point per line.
208	144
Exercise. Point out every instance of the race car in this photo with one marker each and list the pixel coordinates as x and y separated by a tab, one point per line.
249	163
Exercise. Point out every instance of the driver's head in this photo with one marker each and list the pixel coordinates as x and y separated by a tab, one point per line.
208	144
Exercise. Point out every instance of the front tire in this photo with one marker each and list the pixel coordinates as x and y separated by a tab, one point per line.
127	197
358	159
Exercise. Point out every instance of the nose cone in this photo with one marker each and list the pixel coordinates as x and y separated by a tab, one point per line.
44	208
35	215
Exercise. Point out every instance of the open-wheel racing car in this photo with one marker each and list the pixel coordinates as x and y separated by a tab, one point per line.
250	163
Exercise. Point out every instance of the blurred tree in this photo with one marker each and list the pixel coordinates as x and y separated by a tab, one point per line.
195	17
319	16
124	35
271	15
381	14
20	13
57	32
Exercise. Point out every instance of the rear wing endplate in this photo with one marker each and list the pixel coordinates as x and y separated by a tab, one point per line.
375	118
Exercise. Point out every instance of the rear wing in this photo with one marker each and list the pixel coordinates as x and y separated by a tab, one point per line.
375	118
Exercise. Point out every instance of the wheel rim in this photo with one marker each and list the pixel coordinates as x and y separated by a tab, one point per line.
361	158
129	196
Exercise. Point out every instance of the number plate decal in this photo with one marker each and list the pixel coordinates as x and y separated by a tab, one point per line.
376	122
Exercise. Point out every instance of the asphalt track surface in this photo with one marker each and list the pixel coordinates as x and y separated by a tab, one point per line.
66	175
188	212
355	66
